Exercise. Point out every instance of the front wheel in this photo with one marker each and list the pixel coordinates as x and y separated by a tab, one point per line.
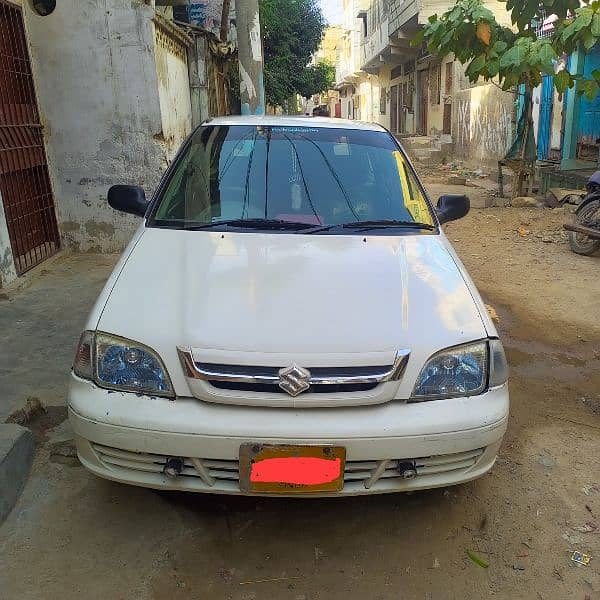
588	216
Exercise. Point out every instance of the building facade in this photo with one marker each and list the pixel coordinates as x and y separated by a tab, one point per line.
567	128
383	78
352	83
89	97
581	141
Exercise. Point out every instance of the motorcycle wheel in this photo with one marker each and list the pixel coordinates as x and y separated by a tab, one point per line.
588	217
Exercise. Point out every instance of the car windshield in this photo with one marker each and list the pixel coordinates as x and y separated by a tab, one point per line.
299	176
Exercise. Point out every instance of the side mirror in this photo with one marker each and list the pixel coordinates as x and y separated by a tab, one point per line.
128	199
452	208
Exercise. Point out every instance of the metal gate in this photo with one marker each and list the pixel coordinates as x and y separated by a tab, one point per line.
24	180
545	124
588	134
394	109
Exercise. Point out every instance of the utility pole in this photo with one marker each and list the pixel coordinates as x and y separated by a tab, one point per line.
225	20
252	81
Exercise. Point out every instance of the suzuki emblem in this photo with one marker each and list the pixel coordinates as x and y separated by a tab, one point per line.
294	380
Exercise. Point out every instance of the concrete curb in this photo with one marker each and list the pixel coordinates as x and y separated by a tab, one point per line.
17	447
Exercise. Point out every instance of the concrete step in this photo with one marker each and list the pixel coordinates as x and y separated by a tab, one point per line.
426	155
428	149
416	142
16	455
447	148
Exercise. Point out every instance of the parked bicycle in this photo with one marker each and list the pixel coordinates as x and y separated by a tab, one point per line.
584	232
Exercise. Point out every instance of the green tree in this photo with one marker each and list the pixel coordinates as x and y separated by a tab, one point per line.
292	31
316	79
470	31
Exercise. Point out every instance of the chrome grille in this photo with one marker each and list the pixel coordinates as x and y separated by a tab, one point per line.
369	471
266	388
268	379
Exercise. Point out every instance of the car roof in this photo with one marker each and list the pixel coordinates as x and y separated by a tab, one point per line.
300	121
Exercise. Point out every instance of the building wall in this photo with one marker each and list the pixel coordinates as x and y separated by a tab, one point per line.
432	7
557	122
8	272
435	115
329	45
483	124
98	90
368	92
384	91
400	11
173	87
397	81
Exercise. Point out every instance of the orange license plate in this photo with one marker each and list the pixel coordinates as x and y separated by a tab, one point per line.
271	469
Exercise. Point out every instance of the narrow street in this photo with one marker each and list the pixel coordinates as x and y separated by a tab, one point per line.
72	535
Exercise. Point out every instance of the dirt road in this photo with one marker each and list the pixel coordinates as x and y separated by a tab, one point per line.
72	535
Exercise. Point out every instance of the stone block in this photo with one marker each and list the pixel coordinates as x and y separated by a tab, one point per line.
17	447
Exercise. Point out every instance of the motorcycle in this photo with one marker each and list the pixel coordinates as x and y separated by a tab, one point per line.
584	232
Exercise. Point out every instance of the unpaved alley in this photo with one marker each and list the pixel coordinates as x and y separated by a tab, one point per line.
72	535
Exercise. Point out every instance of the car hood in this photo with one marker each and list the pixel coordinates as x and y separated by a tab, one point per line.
271	299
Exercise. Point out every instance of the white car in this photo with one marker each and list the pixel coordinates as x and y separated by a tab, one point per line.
289	319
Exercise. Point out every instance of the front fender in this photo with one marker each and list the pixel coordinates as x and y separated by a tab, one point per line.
588	200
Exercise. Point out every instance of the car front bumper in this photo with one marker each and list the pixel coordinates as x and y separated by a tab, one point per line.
127	438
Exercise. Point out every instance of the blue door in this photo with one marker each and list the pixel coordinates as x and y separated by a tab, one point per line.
545	124
589	114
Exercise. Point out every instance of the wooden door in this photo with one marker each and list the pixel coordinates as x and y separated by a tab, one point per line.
394	109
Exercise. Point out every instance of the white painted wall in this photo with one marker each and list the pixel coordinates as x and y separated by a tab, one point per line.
557	121
8	272
173	89
537	106
98	91
367	98
432	7
483	124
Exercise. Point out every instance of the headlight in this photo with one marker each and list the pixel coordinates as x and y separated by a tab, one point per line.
120	364
455	372
498	364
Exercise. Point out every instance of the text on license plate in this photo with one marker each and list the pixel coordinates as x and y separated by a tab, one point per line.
288	469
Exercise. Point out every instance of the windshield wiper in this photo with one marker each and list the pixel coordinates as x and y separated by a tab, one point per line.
269	224
384	224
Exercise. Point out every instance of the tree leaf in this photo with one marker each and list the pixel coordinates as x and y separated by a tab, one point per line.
546	55
419	37
589	41
588	88
493	68
478	63
477	560
596	25
514	56
484	33
563	81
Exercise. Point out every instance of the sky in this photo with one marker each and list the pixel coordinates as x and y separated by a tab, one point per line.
332	9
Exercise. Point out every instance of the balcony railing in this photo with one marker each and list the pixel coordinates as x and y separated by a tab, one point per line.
375	43
400	12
